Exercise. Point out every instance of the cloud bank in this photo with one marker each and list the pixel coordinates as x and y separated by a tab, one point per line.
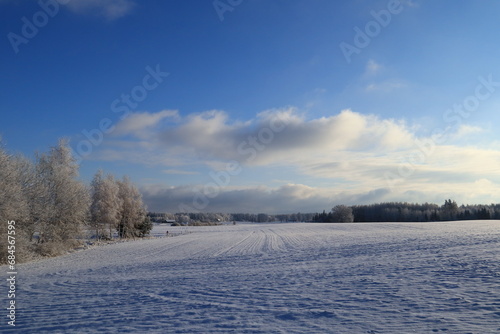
347	157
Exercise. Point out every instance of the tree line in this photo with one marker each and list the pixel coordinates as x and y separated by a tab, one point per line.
54	211
194	217
413	212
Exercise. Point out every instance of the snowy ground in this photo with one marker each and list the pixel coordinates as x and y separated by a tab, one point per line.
272	278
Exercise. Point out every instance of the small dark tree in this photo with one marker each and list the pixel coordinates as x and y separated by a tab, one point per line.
144	227
483	213
449	210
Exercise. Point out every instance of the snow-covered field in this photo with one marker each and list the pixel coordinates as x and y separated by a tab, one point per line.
272	278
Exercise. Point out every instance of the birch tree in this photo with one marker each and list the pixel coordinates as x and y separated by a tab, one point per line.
65	200
342	214
13	206
132	212
34	193
106	204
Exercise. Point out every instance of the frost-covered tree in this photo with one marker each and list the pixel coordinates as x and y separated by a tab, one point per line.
65	200
342	214
132	211
50	205
34	192
106	204
183	218
13	206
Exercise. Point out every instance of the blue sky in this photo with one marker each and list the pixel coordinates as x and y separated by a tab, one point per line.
261	106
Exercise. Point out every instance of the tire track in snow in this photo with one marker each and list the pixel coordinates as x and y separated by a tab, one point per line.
271	278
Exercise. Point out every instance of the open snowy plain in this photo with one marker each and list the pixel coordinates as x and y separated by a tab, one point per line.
272	278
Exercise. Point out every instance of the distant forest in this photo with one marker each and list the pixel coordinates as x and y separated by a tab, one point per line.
382	212
410	212
209	217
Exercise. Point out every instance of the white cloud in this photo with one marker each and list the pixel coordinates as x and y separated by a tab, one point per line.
110	9
372	68
410	3
279	136
140	124
466	130
179	172
378	79
386	86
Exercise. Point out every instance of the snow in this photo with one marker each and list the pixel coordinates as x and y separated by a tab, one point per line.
272	278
